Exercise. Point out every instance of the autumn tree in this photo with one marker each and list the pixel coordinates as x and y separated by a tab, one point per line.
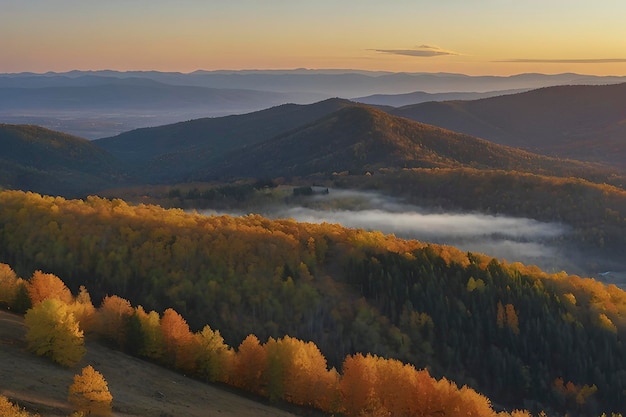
9	283
396	387
112	317
297	372
215	358
250	365
178	341
42	286
150	334
83	309
90	393
53	332
8	409
13	290
357	385
511	318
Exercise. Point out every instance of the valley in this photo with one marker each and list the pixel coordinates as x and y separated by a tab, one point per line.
353	226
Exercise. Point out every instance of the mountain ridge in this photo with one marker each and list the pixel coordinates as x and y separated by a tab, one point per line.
580	122
360	138
38	159
289	140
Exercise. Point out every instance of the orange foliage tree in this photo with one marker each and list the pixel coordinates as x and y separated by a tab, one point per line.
112	317
178	342
250	365
42	286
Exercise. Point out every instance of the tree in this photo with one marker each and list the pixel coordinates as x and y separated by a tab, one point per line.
178	341
53	332
90	393
511	318
83	309
8	409
300	372
13	291
42	286
214	356
357	385
8	285
250	365
113	314
152	344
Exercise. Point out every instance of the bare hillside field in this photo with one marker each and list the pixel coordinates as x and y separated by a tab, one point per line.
139	388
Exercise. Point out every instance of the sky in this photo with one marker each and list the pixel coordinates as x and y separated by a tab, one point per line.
476	37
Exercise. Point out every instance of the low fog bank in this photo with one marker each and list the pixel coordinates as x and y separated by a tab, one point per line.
514	239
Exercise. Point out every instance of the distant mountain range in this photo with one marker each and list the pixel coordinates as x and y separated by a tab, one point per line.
290	140
336	83
96	104
581	122
400	100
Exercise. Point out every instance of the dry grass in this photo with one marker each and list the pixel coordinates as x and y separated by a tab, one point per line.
138	388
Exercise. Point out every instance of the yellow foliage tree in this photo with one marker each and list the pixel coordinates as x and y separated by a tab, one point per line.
8	409
214	356
53	332
8	285
90	393
152	346
83	310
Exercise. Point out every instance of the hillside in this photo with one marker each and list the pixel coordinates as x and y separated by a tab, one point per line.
579	122
360	138
299	140
173	152
139	388
37	159
346	290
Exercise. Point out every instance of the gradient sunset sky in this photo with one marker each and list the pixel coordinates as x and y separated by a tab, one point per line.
499	37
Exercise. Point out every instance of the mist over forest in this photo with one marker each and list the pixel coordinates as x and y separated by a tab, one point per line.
514	239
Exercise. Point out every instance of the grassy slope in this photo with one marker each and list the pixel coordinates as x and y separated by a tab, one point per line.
139	388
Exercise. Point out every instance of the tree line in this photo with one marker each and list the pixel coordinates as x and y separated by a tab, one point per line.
283	369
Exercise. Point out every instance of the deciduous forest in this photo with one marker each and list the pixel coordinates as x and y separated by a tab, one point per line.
300	299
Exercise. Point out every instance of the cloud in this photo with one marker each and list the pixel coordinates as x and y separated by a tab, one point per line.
566	61
420	51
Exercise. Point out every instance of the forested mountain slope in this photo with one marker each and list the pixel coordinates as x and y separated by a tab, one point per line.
172	152
321	138
360	138
580	122
523	337
37	159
